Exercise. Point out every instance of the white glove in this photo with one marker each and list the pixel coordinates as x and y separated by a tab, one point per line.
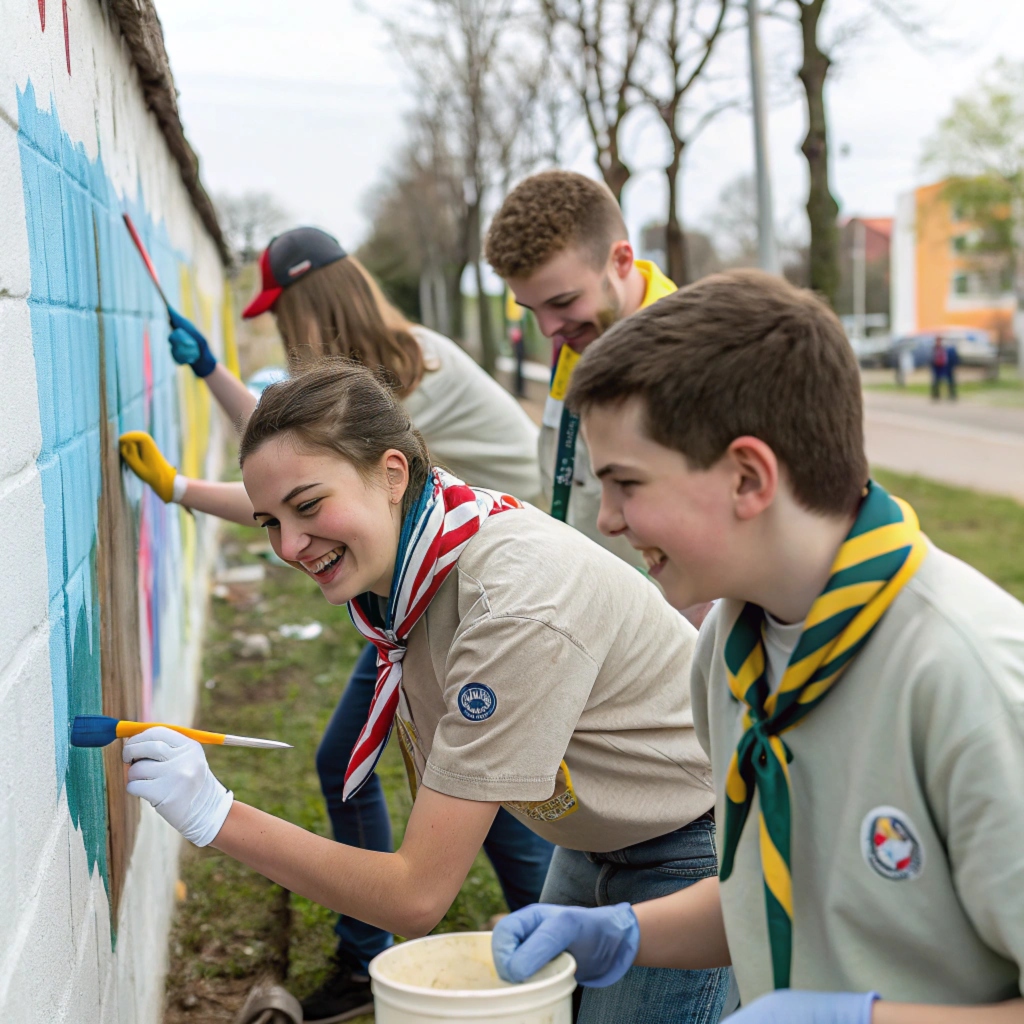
170	771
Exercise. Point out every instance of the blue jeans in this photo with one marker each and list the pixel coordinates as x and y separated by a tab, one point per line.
645	995
520	857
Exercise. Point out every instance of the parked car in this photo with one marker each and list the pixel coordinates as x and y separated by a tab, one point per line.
872	350
973	345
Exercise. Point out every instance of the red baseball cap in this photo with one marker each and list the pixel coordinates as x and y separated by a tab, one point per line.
289	257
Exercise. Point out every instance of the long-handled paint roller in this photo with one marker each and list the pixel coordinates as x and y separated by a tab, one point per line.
175	318
99	730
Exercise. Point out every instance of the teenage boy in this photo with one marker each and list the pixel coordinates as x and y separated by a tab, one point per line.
860	692
561	245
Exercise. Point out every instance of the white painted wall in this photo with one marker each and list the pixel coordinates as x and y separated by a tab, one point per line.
57	958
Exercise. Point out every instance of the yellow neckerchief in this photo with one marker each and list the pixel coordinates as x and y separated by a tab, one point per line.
658	285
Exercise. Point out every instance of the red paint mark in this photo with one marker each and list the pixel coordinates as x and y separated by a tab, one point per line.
67	41
42	15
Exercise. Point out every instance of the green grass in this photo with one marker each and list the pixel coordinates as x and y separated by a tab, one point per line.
984	531
222	937
1006	389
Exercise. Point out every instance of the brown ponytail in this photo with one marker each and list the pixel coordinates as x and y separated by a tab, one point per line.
340	407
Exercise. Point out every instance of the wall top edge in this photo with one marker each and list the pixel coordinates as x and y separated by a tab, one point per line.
140	26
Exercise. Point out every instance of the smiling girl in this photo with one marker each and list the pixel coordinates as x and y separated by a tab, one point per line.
326	304
521	665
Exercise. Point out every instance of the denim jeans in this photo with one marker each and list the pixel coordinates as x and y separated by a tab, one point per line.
645	995
520	857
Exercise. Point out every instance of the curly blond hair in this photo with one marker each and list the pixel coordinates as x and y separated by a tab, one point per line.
548	213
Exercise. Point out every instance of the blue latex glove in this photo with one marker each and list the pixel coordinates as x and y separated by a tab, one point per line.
603	940
188	346
789	1007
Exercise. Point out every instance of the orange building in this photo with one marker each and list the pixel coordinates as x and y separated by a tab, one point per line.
936	283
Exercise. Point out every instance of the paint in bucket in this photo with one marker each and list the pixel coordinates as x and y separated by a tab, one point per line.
452	977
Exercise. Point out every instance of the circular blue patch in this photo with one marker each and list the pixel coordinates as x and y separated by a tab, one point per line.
477	702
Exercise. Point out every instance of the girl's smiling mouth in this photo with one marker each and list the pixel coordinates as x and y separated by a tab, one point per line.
325	567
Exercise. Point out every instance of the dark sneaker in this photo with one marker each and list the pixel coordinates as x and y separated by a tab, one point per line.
344	995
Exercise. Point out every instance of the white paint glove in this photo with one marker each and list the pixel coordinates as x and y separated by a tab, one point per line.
170	771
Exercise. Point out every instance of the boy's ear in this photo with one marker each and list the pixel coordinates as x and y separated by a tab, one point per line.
621	258
755	472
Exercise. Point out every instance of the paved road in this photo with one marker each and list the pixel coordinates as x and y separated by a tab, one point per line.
967	444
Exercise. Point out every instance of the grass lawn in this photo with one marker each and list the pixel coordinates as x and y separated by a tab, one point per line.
229	929
985	532
1006	389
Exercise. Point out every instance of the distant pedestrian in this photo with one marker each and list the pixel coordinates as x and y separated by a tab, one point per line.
944	360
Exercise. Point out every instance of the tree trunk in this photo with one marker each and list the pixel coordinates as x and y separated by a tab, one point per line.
614	172
488	350
822	209
675	237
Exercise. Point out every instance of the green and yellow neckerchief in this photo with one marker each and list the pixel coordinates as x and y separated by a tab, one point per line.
555	413
881	553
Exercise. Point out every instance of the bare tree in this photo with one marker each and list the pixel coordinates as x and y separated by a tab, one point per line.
683	36
597	44
480	91
249	221
818	58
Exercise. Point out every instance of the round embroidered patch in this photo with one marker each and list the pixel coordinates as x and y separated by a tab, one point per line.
890	844
477	702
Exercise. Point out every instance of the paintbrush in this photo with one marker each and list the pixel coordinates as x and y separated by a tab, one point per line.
99	730
145	259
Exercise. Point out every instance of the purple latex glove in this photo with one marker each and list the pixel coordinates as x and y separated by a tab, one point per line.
603	940
789	1007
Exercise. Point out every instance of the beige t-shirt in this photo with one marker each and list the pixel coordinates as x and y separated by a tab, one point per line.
550	676
471	424
908	803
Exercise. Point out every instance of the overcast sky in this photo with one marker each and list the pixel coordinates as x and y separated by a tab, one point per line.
306	101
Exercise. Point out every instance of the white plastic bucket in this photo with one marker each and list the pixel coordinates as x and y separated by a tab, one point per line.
452	977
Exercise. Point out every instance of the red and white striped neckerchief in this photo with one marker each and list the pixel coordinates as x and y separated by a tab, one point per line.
444	520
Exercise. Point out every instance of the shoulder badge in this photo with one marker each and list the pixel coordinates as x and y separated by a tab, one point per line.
477	702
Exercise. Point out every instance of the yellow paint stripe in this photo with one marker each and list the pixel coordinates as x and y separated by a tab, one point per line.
776	874
735	787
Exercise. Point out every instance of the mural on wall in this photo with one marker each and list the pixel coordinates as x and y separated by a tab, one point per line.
67	39
117	557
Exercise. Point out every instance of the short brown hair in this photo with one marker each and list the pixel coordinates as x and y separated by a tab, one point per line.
340	310
340	407
547	213
740	353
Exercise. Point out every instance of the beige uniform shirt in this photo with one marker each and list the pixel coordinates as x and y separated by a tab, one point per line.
472	425
908	803
549	676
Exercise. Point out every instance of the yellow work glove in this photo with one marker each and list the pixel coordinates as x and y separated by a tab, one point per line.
147	462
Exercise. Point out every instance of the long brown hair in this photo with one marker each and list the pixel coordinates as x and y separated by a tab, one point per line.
340	407
340	310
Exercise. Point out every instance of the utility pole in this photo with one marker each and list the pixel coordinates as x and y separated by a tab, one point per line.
768	252
859	278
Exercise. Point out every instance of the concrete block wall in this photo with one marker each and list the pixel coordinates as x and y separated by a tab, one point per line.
102	587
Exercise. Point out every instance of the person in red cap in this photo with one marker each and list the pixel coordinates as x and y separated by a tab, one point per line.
327	304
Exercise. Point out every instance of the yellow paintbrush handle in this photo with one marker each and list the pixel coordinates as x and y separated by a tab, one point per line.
126	729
